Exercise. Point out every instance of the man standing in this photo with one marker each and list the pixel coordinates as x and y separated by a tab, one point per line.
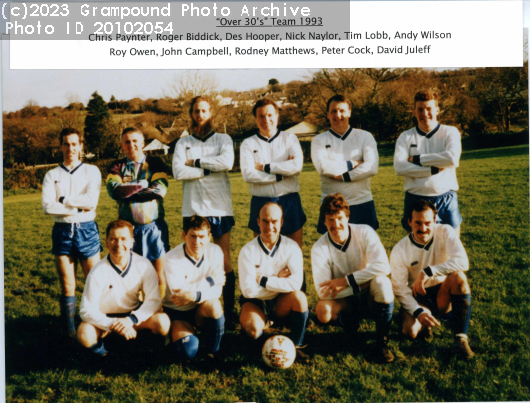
346	158
70	194
270	277
202	161
350	271
428	277
195	278
110	300
427	156
139	183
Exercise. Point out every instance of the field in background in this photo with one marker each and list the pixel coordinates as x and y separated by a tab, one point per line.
494	201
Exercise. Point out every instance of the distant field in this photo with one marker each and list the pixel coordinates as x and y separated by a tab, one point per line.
494	201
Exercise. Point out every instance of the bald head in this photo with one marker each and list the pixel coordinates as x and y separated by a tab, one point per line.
270	222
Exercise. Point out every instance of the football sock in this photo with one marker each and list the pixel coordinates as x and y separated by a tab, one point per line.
304	285
98	349
213	330
383	319
349	322
187	347
67	305
298	325
229	290
461	313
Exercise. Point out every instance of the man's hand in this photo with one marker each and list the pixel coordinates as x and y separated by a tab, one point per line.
337	178
419	285
284	273
427	320
333	287
259	167
189	163
181	298
355	164
124	327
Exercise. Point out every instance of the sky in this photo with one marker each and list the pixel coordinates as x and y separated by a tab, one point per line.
55	87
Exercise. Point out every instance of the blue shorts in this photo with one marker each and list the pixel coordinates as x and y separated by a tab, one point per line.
363	213
151	240
266	305
219	225
294	217
429	301
80	240
184	316
447	205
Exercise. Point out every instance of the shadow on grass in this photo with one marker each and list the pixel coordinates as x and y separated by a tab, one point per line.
495	153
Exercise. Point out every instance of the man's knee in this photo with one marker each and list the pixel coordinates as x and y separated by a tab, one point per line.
160	324
211	308
324	312
459	283
186	347
299	301
87	335
381	289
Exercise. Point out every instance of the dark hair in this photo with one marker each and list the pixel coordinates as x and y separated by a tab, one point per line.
196	222
128	130
208	127
338	99
426	95
119	224
333	204
264	102
420	206
268	204
68	131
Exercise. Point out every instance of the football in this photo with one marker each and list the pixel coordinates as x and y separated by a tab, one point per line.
279	352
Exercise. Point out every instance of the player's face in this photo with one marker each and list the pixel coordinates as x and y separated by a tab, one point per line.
339	116
71	148
426	112
270	223
201	113
133	145
119	242
337	225
267	120
422	225
196	240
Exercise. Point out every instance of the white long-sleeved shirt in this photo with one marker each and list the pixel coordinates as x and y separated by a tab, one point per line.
360	259
440	148
111	290
444	254
256	260
206	185
332	155
79	189
283	161
204	277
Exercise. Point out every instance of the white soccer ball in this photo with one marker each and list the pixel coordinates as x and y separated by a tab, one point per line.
279	352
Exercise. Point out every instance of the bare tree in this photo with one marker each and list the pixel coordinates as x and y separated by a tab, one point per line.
193	83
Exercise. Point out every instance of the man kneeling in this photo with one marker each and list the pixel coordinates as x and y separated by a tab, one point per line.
195	277
350	271
428	277
271	270
110	301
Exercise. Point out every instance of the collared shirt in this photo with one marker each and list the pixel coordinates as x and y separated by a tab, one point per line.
360	259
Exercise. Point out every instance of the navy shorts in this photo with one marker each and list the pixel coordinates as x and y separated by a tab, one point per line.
363	213
266	305
219	225
80	240
151	240
184	316
294	217
447	205
429	301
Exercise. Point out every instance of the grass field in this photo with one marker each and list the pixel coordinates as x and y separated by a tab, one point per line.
494	201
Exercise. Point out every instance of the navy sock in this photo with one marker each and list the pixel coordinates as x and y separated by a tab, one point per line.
298	325
383	319
304	285
461	313
187	347
349	322
98	349
67	305
213	330
229	290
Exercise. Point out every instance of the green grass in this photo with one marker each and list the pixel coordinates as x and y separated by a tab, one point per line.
494	202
